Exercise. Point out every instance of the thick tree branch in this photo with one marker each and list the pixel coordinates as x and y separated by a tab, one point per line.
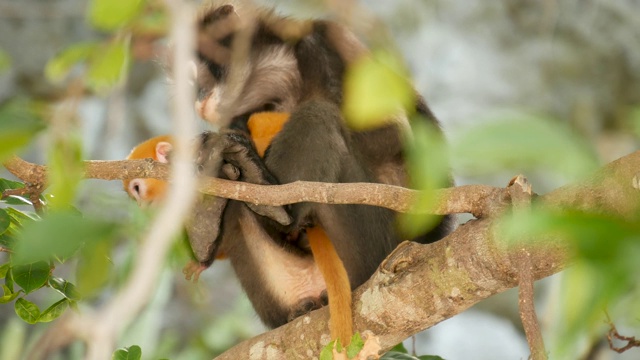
417	286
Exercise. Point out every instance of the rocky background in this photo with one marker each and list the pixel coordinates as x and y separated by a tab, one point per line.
576	62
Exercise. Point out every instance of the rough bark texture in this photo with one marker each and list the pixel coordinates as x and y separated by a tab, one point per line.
417	286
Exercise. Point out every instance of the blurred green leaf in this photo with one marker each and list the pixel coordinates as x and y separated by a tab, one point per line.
109	15
59	234
606	266
375	89
21	218
7	241
27	310
129	353
4	269
65	170
518	143
108	66
400	348
54	311
8	295
67	289
355	346
31	276
5	62
94	267
430	357
60	66
8	281
6	184
19	123
428	167
327	352
5	221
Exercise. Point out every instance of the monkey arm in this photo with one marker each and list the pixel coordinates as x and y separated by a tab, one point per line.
228	155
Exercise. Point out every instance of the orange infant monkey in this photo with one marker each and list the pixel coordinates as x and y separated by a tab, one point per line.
147	191
263	127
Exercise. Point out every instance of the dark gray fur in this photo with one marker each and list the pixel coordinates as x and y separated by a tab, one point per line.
315	145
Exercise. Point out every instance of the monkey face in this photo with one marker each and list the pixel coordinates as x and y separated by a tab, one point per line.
243	65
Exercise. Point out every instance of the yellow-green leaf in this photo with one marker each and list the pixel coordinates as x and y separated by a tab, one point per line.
58	67
129	353
54	311
5	62
19	123
8	295
375	89
108	65
111	14
27	310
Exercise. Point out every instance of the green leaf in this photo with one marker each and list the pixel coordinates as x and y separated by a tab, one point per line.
65	170
428	166
109	15
18	125
54	311
27	310
67	289
400	348
129	353
59	234
31	276
4	269
21	218
375	89
8	281
430	357
6	184
5	221
520	143
109	65
8	295
16	200
59	67
94	267
327	352
5	62
355	346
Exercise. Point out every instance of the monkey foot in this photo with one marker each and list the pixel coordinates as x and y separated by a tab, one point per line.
193	270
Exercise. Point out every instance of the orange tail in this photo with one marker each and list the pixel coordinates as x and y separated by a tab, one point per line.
338	286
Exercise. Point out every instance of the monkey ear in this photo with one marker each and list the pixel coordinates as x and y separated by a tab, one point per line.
163	149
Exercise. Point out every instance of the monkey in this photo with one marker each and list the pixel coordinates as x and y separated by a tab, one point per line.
295	67
149	191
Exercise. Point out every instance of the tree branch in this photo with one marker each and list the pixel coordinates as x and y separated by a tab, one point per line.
479	200
417	286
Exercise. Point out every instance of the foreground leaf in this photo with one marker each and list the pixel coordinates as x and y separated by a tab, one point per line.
27	310
67	289
111	14
59	234
54	311
31	276
129	353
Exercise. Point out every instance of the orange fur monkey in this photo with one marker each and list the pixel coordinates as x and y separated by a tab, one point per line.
263	127
147	191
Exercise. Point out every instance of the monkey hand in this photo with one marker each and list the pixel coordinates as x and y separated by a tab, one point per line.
231	154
